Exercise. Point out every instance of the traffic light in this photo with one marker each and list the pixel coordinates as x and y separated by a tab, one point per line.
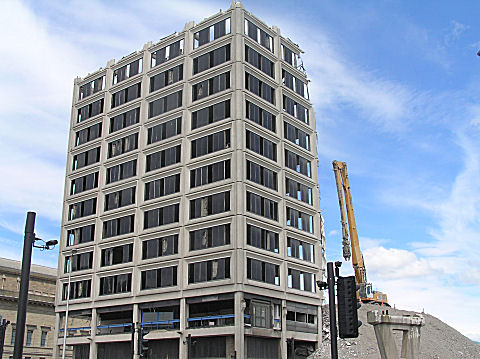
348	322
143	347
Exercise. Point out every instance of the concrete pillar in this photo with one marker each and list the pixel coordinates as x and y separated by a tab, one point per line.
182	351
136	319
283	340
239	309
385	324
56	348
93	344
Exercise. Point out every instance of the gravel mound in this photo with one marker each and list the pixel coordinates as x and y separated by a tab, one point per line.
438	340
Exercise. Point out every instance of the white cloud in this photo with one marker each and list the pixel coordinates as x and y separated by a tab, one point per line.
332	233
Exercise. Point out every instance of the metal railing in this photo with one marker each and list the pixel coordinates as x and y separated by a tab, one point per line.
114	328
211	321
76	332
161	324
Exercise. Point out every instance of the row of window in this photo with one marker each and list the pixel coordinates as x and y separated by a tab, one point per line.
29	339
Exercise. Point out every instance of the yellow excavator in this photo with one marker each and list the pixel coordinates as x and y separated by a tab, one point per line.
351	248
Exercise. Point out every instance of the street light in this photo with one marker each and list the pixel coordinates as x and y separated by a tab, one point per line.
65	327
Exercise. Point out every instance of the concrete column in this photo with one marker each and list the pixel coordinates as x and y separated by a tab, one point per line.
136	319
56	348
239	305
283	340
182	351
93	344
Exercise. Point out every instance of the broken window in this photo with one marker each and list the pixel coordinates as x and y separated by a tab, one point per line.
84	183
82	209
297	136
90	110
262	238
260	116
118	226
165	78
80	235
91	87
210	205
298	191
118	199
289	56
126	95
88	134
165	104
124	120
159	278
295	109
301	280
259	88
300	249
211	33
164	130
162	187
210	173
86	158
80	261
211	59
127	71
263	271
214	142
261	175
121	283
211	114
159	247
211	86
167	53
78	289
161	216
299	220
261	145
259	61
210	237
163	158
258	35
123	145
117	255
121	171
209	270
262	206
298	163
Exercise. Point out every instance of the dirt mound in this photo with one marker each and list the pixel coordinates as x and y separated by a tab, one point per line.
438	340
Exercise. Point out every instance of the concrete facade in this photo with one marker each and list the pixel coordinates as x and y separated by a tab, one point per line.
221	239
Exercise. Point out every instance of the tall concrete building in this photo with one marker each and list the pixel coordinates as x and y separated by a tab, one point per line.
191	200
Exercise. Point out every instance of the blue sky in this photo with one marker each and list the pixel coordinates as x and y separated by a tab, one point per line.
395	88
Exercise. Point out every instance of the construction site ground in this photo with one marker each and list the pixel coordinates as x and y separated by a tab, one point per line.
438	340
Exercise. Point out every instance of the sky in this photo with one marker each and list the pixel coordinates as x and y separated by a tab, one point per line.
395	87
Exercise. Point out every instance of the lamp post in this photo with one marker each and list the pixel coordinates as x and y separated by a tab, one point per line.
28	244
65	327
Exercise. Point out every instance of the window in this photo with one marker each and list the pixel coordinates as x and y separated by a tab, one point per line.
210	173
263	271
261	145
259	61
159	278
289	56
167	53
258	35
161	216
117	255
162	187
115	284
262	238
210	237
82	209
295	109
78	289
80	261
212	143
119	199
211	114
123	145
159	247
261	175
260	116
165	104
209	270
126	95
211	59
301	317
84	183
118	226
298	191
299	220
80	235
297	136
121	171
209	205
298	163
164	130
300	249
86	158
90	110
301	280
29	337
43	339
127	71
262	206
211	33
163	158
165	78
124	120
88	134
91	87
294	84
259	88
261	314
211	86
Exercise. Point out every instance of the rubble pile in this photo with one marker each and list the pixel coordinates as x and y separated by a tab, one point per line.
438	340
